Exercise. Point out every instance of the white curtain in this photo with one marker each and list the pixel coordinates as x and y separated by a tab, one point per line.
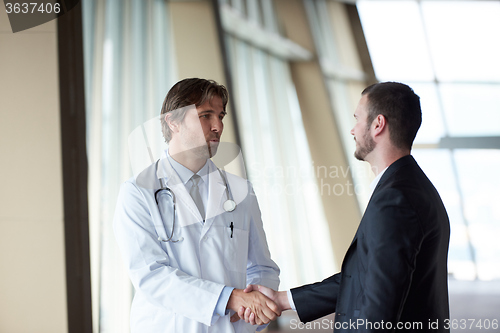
276	151
343	79
128	70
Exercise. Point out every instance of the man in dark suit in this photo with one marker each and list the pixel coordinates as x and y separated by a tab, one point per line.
394	274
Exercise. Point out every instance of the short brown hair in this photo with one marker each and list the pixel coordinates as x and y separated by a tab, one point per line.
400	106
188	92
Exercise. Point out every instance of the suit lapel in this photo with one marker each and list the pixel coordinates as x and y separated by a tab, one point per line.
387	175
403	161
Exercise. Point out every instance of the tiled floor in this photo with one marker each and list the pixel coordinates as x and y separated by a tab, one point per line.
471	302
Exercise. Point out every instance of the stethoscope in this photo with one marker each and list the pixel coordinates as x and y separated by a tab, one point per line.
229	205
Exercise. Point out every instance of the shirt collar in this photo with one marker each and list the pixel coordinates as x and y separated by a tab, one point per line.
374	182
184	173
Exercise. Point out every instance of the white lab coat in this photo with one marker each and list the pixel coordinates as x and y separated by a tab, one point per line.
178	284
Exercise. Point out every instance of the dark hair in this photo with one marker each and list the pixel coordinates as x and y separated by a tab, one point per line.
188	92
400	106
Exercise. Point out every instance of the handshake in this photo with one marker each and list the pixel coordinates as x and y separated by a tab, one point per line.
257	304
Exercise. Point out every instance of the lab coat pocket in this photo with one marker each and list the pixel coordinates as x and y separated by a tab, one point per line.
236	249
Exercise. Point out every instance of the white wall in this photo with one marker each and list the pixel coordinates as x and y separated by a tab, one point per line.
32	277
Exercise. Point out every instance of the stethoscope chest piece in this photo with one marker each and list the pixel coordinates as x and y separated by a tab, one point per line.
229	205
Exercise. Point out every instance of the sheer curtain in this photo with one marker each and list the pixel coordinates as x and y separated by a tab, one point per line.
128	70
274	142
341	68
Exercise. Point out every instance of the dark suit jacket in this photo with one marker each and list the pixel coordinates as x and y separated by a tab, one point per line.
395	270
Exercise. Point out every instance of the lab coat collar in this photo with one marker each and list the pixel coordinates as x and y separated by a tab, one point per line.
184	173
182	197
216	191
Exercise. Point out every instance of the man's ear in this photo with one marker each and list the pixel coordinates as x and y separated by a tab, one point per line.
173	125
379	125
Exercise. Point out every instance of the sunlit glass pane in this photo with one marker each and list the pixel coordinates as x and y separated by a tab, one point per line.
472	109
396	40
479	182
463	38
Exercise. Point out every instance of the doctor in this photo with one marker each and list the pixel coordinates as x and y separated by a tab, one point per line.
193	282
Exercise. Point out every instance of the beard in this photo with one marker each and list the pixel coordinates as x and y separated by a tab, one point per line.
200	147
212	148
203	151
207	150
365	147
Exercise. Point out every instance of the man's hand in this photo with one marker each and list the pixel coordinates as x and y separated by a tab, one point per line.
234	318
263	309
278	297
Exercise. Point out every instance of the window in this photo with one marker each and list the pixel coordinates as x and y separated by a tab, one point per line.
274	143
447	52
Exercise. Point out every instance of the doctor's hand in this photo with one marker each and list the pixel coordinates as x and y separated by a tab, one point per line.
279	297
234	318
264	310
